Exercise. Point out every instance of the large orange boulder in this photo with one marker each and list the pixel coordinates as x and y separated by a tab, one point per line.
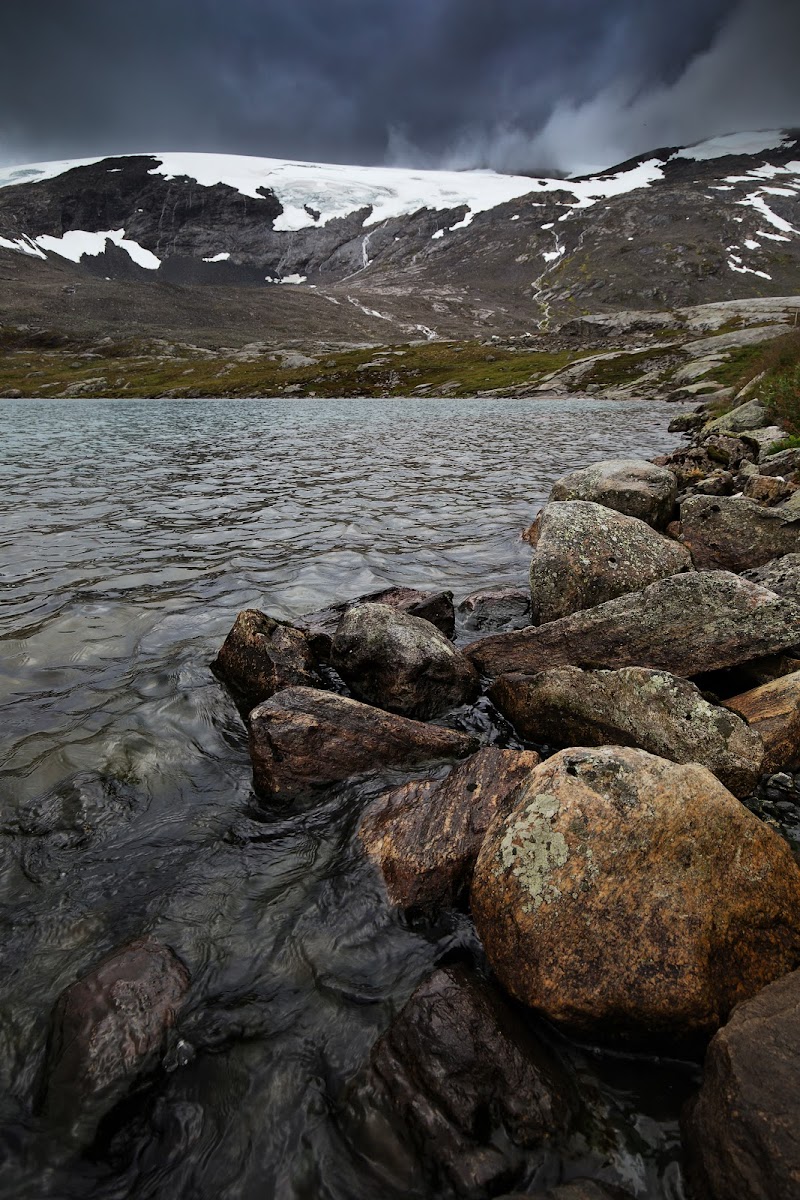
626	896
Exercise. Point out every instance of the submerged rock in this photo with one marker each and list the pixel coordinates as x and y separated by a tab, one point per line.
468	1084
303	740
261	656
628	897
425	836
401	663
631	486
493	609
635	706
585	554
735	534
773	712
107	1032
740	1132
436	607
687	624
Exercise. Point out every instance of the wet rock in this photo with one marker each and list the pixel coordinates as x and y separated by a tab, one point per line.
425	836
628	897
303	740
773	712
767	489
458	1068
780	575
740	1133
436	607
493	609
699	621
586	554
747	416
653	710
261	656
107	1032
634	487
401	663
734	534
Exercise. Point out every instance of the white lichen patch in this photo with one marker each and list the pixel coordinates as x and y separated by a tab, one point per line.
532	850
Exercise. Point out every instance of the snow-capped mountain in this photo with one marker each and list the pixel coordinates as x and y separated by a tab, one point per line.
715	221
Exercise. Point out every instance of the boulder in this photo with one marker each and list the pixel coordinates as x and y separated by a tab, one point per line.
739	420
773	712
493	609
108	1030
740	1133
761	441
734	534
729	451
718	483
685	422
401	663
586	554
425	836
261	656
785	463
631	486
767	489
699	621
468	1084
635	706
436	607
629	897
304	740
780	575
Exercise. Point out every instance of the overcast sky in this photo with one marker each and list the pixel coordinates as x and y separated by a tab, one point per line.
519	85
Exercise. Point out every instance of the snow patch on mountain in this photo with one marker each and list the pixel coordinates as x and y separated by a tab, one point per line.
77	242
757	142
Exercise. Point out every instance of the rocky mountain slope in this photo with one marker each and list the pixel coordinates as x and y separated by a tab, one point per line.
224	250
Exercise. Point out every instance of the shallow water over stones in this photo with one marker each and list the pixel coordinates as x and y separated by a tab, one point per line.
130	535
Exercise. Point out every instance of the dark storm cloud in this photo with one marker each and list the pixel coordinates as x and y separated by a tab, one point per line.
516	84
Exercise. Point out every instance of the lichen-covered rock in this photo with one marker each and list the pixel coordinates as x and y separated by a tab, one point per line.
586	554
773	712
767	489
687	624
401	663
631	486
751	415
493	609
425	835
465	1082
734	534
731	452
304	740
626	896
635	706
107	1032
761	441
261	656
780	575
436	607
740	1133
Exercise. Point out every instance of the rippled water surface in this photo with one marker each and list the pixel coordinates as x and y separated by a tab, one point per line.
130	535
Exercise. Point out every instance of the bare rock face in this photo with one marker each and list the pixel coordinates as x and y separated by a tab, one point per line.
631	486
628	897
436	607
493	609
261	656
456	1067
773	712
401	663
687	624
732	533
586	554
425	836
740	1133
304	740
108	1031
781	575
635	706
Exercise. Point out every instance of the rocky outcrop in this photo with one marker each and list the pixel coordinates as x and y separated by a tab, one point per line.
436	607
740	1133
631	486
304	740
635	706
492	609
687	624
585	554
781	575
773	712
108	1030
401	663
424	837
735	534
261	656
628	897
455	1069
